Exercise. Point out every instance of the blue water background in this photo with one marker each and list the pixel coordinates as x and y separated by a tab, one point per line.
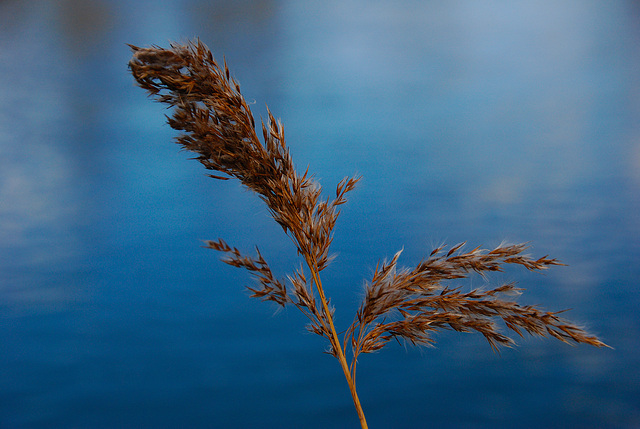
469	121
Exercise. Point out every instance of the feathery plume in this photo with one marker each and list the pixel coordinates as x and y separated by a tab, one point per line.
399	303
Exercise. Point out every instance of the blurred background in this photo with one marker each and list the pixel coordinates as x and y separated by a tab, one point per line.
469	121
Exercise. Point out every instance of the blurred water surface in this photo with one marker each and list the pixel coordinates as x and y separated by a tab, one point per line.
476	121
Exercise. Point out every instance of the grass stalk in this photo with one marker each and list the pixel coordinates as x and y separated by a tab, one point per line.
407	304
337	346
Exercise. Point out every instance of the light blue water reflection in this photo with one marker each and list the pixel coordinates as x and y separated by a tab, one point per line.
469	121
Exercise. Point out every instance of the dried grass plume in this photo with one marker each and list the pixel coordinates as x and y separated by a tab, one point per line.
399	303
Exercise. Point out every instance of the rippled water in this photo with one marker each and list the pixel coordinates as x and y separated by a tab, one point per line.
484	122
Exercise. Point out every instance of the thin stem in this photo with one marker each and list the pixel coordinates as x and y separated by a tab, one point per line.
356	352
337	346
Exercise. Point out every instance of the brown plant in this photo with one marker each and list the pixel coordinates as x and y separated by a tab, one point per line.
399	303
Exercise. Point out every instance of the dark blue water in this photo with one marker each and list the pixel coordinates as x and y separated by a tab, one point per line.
476	121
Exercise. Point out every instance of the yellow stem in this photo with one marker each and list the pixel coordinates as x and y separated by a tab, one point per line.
337	346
